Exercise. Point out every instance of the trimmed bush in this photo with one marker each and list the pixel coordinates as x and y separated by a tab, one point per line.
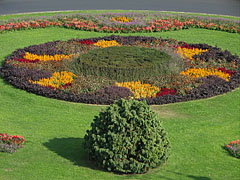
127	137
125	63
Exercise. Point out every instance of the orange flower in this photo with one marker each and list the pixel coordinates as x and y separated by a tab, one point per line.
122	19
203	72
58	80
56	57
139	89
189	53
235	142
104	44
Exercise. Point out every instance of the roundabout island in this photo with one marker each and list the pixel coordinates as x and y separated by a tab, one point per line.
124	62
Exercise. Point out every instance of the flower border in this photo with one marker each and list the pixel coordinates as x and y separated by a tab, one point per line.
141	22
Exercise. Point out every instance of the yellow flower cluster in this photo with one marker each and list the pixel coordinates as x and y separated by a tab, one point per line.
58	80
203	72
189	53
104	44
122	19
56	57
139	89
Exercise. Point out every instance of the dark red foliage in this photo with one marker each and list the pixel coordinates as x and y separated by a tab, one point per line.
182	44
216	54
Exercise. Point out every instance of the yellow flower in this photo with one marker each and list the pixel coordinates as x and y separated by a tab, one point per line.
103	43
122	19
203	72
56	57
58	79
139	89
189	53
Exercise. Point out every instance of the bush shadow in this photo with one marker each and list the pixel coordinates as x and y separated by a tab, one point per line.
71	149
190	176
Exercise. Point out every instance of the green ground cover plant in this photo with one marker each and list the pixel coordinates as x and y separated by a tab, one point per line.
122	63
54	129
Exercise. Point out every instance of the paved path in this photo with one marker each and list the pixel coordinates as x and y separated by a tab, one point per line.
224	7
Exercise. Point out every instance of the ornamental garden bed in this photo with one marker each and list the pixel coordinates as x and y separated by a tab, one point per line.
132	22
102	70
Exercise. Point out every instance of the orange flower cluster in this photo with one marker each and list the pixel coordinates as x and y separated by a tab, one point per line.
234	148
104	44
139	89
189	52
203	72
237	142
122	19
56	57
58	80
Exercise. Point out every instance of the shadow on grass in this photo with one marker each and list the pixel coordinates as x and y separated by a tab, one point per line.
71	149
191	176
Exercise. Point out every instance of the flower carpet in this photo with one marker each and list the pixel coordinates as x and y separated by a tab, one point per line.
60	70
81	70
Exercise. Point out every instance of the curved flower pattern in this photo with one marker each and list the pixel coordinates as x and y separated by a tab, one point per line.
203	72
190	52
35	57
193	71
104	44
140	90
58	80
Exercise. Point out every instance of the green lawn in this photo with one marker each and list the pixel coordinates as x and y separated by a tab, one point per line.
54	129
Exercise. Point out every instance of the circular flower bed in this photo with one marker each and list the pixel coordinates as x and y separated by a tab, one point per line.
101	70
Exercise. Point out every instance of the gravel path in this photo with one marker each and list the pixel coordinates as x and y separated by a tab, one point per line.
224	7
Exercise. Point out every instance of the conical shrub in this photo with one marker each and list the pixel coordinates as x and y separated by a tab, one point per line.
127	137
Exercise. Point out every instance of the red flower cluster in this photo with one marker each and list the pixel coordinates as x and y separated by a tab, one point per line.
187	46
169	24
61	86
166	91
234	148
87	42
226	71
26	60
29	25
8	139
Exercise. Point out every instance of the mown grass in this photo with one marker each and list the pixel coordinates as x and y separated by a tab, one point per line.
54	129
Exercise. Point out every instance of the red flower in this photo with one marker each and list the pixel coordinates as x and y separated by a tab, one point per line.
166	91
